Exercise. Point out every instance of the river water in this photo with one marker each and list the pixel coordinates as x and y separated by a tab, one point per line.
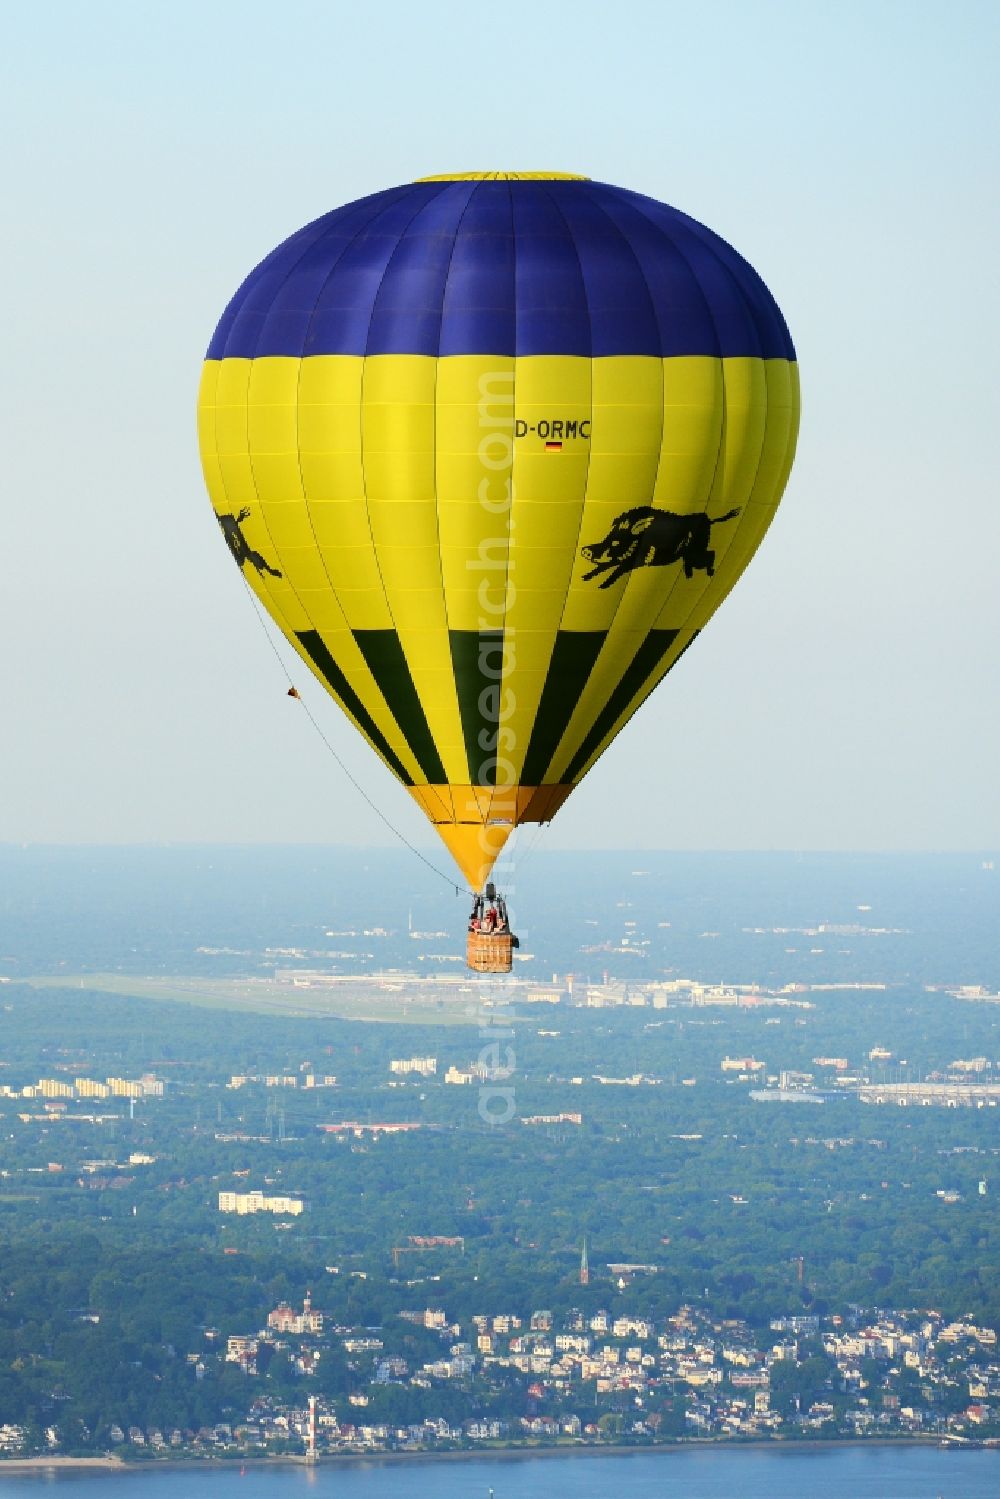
856	1472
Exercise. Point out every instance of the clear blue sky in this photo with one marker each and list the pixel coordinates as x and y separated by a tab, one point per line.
845	697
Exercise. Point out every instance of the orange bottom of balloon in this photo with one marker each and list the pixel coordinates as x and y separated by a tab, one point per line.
474	822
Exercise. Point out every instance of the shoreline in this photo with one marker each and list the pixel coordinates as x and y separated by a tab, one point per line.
32	1464
110	1463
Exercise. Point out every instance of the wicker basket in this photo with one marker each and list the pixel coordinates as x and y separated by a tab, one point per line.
490	952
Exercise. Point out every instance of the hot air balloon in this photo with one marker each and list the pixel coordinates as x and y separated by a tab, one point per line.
491	449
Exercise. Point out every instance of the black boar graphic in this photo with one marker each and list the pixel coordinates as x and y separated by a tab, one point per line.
646	537
240	547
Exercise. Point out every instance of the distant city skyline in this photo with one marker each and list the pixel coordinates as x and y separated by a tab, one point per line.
846	695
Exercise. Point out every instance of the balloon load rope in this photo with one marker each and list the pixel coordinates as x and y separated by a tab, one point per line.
293	692
539	833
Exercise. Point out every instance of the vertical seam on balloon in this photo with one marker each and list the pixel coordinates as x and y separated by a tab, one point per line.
756	473
634	704
398	197
659	457
225	489
510	509
793	429
750	489
290	634
625	590
298	452
513	410
753	485
260	507
677	250
263	520
698	231
586	476
259	267
637	700
631	197
257	345
695	229
383	207
339	702
386	198
434	452
659	652
361	448
685	627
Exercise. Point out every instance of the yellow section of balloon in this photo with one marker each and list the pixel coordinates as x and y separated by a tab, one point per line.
491	561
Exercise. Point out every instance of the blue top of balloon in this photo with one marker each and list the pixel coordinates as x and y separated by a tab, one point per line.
505	264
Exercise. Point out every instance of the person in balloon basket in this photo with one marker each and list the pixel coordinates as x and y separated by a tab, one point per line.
496	917
490	919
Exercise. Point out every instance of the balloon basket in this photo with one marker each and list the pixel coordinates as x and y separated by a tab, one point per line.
490	952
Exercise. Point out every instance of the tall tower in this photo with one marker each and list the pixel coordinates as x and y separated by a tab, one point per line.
584	1266
311	1440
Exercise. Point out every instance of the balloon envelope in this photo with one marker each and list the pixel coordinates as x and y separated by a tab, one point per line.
491	449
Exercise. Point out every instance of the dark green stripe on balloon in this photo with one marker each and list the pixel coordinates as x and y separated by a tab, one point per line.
312	643
477	657
385	660
572	662
644	663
